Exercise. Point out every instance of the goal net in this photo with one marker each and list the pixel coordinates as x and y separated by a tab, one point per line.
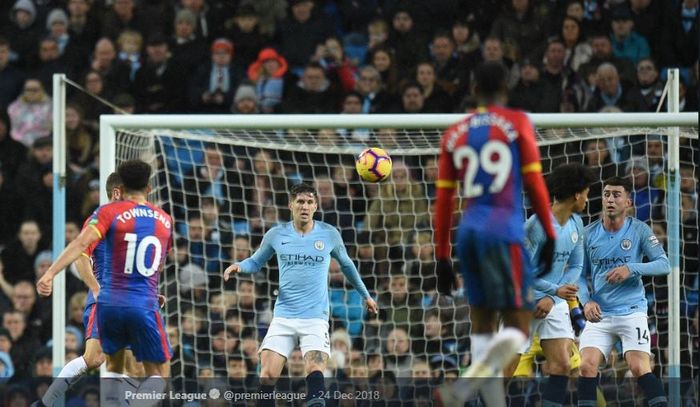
226	186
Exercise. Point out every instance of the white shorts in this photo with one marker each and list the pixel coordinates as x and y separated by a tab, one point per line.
556	325
284	334
632	330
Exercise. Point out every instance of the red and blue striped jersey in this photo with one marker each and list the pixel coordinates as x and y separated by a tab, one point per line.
490	151
136	239
93	252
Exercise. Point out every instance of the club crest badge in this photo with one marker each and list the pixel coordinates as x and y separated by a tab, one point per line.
319	245
574	236
626	244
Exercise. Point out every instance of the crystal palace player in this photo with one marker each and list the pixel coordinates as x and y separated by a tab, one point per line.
616	307
494	152
138	236
304	249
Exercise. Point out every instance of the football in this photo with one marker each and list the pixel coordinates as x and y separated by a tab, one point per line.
373	165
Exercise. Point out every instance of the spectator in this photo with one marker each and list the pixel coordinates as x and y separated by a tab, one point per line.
412	99
648	16
331	56
656	158
214	83
378	33
130	48
492	51
268	73
312	94
189	51
28	179
646	199
519	28
398	357
206	18
37	313
57	25
24	343
528	93
610	92
123	15
451	73
30	114
400	307
626	43
467	41
12	152
158	85
245	101
680	35
23	32
561	86
299	34
578	50
80	141
421	268
114	72
11	77
382	58
244	31
406	42
435	97
18	257
649	88
82	24
375	99
49	63
94	83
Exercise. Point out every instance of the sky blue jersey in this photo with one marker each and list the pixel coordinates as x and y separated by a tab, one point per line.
568	254
607	250
303	262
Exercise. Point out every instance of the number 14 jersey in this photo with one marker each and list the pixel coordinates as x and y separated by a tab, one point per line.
489	151
136	239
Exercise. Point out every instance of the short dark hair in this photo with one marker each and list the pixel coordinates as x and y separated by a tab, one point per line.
134	174
302	188
113	181
490	79
616	181
569	179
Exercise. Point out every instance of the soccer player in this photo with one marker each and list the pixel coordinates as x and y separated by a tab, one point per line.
494	152
616	305
304	249
569	185
138	236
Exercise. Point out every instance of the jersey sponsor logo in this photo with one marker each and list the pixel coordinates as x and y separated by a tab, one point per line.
319	245
301	259
574	236
626	244
653	240
611	261
562	256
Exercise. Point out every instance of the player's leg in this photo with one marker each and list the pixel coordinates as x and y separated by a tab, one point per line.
278	344
314	342
634	332
557	335
113	328
596	341
73	370
132	367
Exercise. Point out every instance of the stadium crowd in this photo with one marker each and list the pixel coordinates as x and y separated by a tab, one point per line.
304	56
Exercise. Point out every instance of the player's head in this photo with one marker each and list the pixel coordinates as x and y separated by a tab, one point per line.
616	196
135	175
303	202
571	182
491	82
114	187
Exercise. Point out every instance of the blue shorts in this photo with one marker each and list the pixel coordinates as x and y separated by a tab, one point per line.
90	322
497	273
140	329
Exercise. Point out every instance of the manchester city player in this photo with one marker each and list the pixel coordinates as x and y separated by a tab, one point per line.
616	306
569	185
304	248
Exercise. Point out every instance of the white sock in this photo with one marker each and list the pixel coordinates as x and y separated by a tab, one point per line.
70	373
152	385
501	359
479	346
112	389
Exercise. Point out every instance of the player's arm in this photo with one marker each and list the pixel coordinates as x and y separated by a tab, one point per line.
254	263
534	240
575	264
87	237
445	187
348	268
84	267
658	264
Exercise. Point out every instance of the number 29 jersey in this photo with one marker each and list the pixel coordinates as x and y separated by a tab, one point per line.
136	239
489	151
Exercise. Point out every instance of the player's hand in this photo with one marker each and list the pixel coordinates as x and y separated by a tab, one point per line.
372	306
45	285
592	311
446	278
234	268
161	300
567	292
96	293
618	275
543	307
546	257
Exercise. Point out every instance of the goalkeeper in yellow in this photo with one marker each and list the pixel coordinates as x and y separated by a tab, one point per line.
569	185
